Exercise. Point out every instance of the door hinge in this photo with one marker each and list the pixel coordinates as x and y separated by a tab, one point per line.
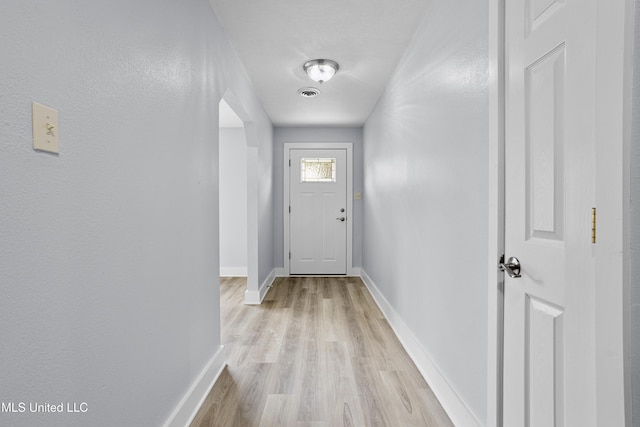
289	162
289	255
289	209
593	225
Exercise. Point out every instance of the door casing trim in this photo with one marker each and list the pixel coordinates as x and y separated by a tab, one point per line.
496	226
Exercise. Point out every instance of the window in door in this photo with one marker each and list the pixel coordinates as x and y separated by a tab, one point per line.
317	170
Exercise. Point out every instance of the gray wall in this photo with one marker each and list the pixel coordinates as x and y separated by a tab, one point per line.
284	135
109	251
233	202
635	229
426	191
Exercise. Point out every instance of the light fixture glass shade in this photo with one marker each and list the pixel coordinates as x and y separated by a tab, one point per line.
321	70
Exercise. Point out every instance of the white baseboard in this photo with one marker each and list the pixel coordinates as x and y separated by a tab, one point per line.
455	407
352	272
256	297
190	404
233	271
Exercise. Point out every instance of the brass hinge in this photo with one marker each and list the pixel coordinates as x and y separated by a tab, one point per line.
593	225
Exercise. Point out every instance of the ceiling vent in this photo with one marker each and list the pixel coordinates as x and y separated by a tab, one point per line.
308	92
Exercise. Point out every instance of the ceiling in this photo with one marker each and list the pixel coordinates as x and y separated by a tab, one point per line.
274	38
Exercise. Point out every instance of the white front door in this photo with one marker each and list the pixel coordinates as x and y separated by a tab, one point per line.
318	211
549	363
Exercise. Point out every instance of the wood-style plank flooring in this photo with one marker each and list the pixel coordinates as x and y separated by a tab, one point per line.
317	352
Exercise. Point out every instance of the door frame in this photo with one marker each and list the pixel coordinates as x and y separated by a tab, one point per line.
496	226
611	253
348	146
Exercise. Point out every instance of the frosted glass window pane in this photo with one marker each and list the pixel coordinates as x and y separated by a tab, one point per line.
318	170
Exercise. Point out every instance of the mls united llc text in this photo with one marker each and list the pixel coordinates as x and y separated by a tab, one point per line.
34	407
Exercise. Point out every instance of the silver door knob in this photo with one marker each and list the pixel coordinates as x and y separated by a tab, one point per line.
341	219
512	267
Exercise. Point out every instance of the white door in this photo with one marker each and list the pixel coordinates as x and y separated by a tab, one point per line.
318	211
549	367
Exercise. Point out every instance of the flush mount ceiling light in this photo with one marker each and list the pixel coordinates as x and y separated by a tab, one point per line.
320	70
308	92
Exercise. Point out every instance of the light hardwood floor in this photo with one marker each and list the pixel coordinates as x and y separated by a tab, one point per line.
317	352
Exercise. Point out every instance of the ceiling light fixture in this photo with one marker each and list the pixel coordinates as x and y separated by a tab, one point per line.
320	70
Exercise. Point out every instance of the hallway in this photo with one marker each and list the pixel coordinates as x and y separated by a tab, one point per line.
318	351
110	241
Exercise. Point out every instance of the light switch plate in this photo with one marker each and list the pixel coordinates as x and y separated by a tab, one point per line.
45	129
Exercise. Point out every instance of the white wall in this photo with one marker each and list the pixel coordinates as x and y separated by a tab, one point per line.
426	187
635	230
233	202
264	214
284	135
109	251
